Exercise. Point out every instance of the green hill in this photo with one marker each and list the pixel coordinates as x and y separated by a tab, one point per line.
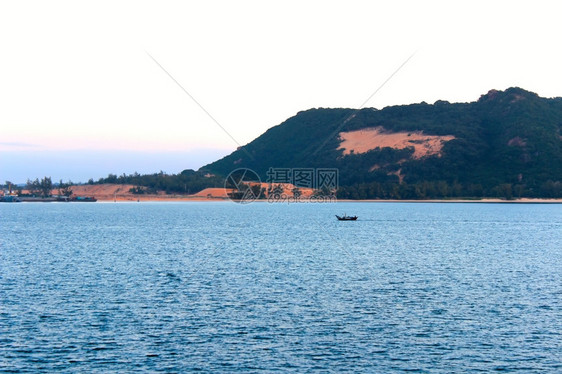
507	144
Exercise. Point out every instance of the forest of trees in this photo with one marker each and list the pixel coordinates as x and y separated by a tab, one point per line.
186	182
443	190
41	187
507	144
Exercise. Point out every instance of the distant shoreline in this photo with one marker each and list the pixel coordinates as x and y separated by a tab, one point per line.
122	193
440	201
186	199
487	201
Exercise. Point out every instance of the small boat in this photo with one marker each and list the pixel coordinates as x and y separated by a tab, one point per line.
346	218
84	199
10	199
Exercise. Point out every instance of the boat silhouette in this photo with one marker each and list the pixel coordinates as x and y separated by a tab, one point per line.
346	218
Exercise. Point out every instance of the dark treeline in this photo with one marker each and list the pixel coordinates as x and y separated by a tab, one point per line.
444	190
186	182
39	187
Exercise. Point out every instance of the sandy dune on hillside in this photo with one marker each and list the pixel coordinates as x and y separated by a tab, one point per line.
108	192
211	193
121	192
101	189
361	141
288	189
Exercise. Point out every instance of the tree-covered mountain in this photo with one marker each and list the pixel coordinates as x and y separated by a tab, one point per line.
508	144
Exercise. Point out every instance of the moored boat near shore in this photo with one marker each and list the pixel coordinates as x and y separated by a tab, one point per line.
9	199
50	199
84	199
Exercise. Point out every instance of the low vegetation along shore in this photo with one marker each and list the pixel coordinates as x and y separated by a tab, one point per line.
129	193
122	192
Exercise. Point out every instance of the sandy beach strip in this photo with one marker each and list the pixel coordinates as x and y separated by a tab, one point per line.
121	193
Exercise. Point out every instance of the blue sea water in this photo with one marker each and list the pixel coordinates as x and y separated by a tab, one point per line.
223	287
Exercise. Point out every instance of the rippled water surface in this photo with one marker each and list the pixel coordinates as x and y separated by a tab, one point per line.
222	287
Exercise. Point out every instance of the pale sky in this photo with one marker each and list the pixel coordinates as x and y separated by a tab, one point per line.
76	78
